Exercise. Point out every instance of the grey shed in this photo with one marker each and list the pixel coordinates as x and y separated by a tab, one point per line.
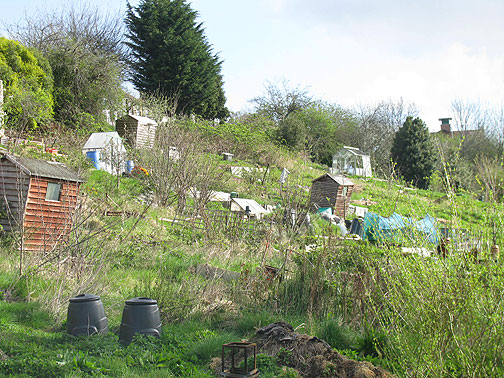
137	131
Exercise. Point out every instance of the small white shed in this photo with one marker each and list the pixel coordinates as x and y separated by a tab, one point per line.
110	154
351	161
248	206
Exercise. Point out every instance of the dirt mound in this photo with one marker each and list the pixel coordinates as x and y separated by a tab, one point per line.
3	356
311	356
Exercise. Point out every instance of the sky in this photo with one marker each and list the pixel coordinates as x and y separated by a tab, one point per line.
347	52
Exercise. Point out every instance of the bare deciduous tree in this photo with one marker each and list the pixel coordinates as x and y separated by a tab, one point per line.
209	177
156	106
475	122
496	126
490	176
179	165
468	115
93	30
377	126
281	100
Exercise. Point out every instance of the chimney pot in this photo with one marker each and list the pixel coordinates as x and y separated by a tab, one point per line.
445	125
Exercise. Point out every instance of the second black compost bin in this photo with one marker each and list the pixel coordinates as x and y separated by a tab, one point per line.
140	315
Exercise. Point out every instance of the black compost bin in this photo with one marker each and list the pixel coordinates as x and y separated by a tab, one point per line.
357	228
86	315
140	315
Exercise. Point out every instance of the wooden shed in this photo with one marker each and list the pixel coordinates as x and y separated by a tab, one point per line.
38	198
331	191
137	131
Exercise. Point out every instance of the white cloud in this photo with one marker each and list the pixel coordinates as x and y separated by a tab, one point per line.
350	69
276	5
436	79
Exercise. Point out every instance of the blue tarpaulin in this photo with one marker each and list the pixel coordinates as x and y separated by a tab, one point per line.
398	229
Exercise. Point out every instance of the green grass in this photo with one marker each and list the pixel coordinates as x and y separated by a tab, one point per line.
462	211
101	184
334	292
36	349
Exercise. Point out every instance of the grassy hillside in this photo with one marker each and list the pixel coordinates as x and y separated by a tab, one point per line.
415	316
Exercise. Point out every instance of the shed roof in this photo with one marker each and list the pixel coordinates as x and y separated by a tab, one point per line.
140	119
98	141
340	180
254	207
41	168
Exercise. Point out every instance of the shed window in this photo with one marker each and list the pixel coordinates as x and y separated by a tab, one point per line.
53	192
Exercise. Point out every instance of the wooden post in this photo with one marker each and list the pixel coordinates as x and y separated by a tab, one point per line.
495	252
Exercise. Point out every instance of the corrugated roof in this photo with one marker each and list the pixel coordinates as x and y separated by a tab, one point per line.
340	180
41	168
98	141
255	208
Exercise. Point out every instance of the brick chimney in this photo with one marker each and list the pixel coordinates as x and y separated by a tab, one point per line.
445	125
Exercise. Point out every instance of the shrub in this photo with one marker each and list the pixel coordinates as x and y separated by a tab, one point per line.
336	334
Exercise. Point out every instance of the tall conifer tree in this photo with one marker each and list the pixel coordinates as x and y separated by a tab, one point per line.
413	152
171	55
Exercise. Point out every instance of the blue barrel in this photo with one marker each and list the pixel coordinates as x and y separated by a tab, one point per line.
129	166
95	158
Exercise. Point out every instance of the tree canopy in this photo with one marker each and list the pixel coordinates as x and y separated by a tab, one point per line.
413	152
85	50
170	54
28	85
328	127
302	123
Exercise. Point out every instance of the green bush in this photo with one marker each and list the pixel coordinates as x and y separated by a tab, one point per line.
28	82
336	334
437	318
372	343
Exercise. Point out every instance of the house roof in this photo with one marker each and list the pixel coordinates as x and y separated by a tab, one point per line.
340	180
98	141
254	207
458	133
140	119
42	168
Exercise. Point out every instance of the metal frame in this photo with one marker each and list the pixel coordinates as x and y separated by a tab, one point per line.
236	371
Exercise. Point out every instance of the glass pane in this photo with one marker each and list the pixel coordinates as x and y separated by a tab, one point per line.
53	192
